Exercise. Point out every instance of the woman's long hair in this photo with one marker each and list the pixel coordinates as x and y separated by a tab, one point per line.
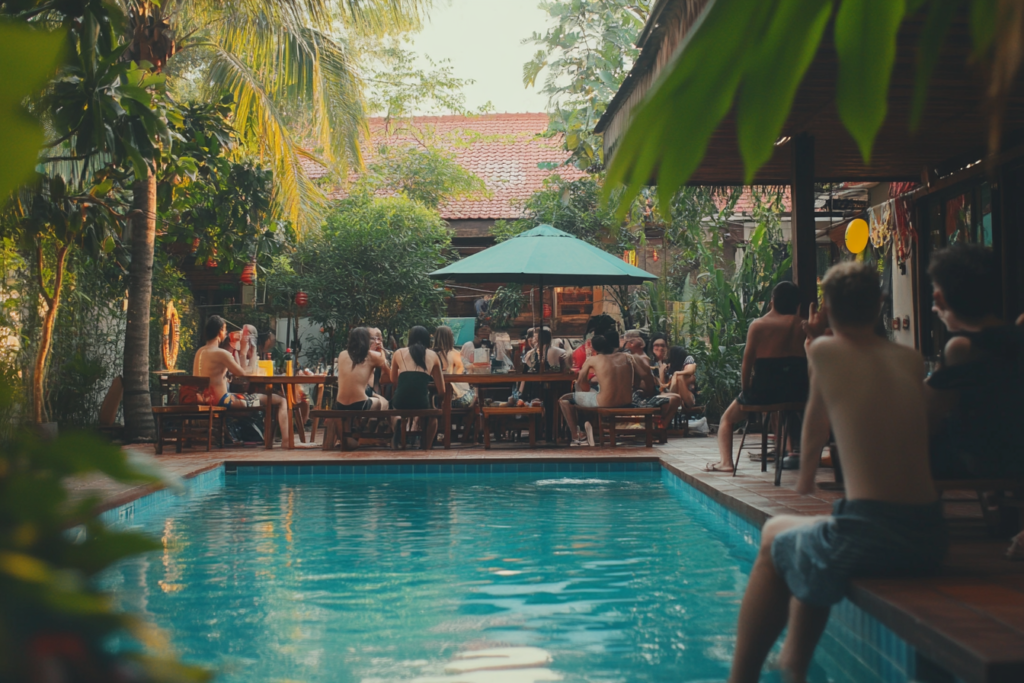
419	342
676	360
358	345
444	343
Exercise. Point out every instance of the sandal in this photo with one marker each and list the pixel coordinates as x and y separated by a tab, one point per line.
716	467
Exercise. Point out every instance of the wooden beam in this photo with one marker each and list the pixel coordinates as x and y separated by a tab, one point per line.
805	260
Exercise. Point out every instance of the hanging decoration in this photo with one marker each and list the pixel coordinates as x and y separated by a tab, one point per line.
857	235
904	234
171	337
301	299
629	256
655	255
249	273
881	225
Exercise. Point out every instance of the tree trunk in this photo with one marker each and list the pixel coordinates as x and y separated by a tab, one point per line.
46	339
138	409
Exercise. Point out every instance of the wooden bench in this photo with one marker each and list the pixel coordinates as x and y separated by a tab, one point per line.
607	419
184	415
533	412
342	423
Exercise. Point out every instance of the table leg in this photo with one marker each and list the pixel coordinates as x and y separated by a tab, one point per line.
289	443
268	419
446	415
321	390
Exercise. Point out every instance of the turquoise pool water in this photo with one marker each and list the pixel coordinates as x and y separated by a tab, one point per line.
583	577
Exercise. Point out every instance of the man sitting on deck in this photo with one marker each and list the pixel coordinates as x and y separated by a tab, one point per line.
613	371
214	362
890	524
774	367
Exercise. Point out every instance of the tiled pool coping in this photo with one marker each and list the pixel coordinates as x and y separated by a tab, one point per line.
856	645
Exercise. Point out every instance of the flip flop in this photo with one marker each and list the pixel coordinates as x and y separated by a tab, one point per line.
715	467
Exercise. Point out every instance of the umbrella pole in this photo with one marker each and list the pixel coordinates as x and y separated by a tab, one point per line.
543	359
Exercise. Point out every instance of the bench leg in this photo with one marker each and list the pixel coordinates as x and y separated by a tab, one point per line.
533	431
209	433
649	429
487	433
613	437
159	434
401	427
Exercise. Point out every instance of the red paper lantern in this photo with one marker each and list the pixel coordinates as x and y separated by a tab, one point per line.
547	310
655	255
301	299
211	262
249	273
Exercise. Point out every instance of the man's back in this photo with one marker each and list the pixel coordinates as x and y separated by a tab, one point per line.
614	372
874	395
776	336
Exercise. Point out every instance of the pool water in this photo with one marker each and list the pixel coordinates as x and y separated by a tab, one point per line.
591	577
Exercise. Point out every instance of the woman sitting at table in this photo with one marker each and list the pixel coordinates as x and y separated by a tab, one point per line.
412	368
451	364
678	376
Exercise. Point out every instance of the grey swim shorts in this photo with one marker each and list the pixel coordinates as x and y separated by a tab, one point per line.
864	538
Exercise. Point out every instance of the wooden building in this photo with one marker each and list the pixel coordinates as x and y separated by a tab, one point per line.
957	196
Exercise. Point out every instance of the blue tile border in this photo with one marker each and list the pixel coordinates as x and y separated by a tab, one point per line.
433	469
202	484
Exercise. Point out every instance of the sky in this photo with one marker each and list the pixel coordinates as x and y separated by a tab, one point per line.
482	40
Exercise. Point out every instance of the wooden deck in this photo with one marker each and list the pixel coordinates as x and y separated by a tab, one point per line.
969	620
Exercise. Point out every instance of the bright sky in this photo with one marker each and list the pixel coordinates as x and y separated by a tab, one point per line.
482	40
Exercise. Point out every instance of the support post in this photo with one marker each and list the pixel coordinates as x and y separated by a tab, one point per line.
802	228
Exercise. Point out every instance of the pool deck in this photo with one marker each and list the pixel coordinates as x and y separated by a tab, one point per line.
969	620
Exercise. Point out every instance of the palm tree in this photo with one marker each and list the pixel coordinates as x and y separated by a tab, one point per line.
298	98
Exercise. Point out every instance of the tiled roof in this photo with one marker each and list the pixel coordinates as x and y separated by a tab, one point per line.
503	150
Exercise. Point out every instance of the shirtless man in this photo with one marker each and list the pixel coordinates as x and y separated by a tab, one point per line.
778	336
615	374
890	523
214	362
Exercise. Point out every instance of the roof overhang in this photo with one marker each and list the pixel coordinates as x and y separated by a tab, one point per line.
953	133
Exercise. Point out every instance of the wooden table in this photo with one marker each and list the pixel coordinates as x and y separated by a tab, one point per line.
495	379
286	383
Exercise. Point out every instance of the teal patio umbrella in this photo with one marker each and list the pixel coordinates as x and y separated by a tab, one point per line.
544	256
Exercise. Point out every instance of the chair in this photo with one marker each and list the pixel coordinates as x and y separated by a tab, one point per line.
184	414
785	413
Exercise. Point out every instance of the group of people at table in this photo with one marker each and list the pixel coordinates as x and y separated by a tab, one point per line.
895	426
611	372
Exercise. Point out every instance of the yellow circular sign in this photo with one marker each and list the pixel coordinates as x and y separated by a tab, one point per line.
857	235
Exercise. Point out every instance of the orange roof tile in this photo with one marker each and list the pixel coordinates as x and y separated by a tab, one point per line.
504	150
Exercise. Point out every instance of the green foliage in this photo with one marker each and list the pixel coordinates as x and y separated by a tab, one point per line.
367	265
575	207
51	549
755	53
506	304
398	88
728	299
424	174
27	57
587	54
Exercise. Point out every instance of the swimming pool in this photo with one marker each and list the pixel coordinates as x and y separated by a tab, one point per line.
575	576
